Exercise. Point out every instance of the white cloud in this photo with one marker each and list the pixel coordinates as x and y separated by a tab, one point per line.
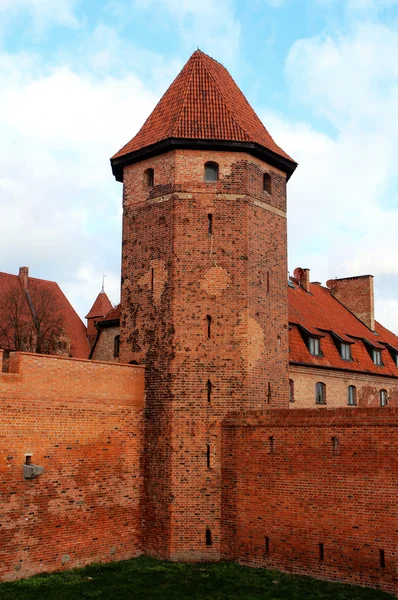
343	208
57	192
42	12
211	25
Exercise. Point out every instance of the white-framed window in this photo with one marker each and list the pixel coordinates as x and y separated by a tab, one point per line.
314	346
320	393
345	351
383	397
376	355
352	395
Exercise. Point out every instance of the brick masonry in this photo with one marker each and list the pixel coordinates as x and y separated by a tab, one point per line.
82	422
176	275
326	477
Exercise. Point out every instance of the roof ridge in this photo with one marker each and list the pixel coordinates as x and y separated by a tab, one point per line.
232	116
177	121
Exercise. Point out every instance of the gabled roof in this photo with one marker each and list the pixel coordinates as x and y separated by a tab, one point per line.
203	103
101	306
111	316
74	327
320	311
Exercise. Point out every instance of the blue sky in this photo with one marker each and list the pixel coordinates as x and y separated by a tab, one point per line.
79	77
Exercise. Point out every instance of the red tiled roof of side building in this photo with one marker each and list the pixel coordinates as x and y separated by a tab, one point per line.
319	310
112	315
101	306
74	327
203	103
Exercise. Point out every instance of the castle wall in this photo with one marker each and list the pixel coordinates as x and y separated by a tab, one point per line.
82	422
289	487
337	382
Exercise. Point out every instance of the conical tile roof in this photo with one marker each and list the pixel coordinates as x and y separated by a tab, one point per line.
202	103
101	306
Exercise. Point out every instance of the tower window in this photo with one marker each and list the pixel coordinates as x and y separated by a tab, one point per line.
291	390
352	395
211	171
209	390
116	346
320	393
383	397
210	224
208	317
335	446
208	456
267	183
149	177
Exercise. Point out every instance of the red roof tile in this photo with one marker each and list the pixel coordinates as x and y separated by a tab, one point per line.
203	103
101	306
74	327
319	310
112	315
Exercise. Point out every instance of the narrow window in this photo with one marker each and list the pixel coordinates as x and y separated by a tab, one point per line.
376	355
320	393
335	446
209	390
208	317
210	224
211	171
291	390
272	444
208	456
149	177
269	393
382	559
267	183
314	346
116	346
345	351
321	552
266	545
383	397
352	395
208	537
152	278
267	282
28	459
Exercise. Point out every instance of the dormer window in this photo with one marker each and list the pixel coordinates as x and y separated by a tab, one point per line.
314	346
149	177
376	356
345	351
211	171
267	183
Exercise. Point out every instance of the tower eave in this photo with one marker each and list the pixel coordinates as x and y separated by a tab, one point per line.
280	162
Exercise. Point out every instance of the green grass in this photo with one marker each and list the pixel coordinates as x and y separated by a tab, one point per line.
145	578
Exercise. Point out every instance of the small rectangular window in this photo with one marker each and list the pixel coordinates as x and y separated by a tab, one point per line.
345	351
266	545
291	390
382	559
208	537
272	444
208	456
352	395
314	346
320	393
376	355
321	552
383	397
210	224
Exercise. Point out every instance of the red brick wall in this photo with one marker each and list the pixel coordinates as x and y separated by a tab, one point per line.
237	276
303	495
357	294
81	421
337	382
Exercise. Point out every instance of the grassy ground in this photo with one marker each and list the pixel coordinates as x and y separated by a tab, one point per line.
145	578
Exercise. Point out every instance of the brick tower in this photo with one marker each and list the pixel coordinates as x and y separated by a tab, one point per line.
204	292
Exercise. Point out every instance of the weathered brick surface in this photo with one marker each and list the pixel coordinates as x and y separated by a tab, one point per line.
237	276
82	422
105	345
337	382
303	494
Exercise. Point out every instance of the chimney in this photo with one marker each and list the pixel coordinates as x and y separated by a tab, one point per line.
24	277
305	281
357	294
